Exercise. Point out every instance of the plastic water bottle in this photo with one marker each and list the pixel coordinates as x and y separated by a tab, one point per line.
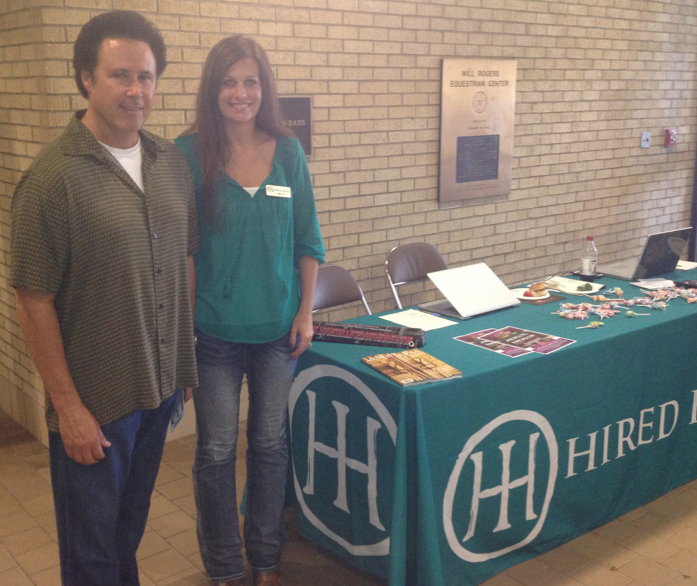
589	257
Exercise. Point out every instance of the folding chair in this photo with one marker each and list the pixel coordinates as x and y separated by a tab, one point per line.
336	286
411	263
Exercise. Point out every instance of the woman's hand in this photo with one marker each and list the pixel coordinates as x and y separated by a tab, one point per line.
302	324
301	333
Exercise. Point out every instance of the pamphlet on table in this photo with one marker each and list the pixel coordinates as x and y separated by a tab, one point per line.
413	318
654	284
513	342
411	367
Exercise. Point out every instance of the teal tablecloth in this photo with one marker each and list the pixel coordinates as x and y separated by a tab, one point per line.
451	482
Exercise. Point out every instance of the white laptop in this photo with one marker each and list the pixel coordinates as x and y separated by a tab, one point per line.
469	291
660	256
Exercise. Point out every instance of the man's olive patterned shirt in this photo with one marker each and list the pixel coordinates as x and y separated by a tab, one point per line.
115	258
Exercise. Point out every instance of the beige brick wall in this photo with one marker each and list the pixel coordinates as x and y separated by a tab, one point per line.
24	123
592	75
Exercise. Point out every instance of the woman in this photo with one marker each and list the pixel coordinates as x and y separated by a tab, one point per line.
256	271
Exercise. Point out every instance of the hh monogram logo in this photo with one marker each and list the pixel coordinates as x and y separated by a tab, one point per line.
503	490
318	452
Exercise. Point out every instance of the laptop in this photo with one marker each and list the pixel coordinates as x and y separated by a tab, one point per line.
469	291
660	256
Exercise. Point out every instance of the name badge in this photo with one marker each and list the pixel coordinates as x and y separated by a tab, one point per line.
278	191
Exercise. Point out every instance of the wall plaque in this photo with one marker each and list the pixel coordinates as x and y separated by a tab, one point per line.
297	114
476	129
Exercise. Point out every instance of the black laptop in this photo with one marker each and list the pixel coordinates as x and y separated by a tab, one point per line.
660	256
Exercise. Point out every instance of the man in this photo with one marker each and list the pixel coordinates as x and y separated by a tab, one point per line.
103	232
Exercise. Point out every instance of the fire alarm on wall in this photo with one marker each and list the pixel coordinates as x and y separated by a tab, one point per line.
671	136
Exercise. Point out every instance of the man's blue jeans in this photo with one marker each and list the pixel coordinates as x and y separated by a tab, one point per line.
270	370
101	510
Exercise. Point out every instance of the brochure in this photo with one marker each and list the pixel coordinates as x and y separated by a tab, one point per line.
513	342
477	339
411	367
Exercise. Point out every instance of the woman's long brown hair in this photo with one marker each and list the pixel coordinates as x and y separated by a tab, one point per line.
209	125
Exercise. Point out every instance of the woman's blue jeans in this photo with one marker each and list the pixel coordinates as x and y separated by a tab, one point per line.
270	371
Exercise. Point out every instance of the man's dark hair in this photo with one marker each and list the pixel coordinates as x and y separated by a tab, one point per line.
118	24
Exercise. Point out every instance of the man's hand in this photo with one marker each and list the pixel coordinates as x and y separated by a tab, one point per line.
302	328
188	393
82	436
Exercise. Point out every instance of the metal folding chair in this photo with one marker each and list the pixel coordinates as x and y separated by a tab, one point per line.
411	263
336	286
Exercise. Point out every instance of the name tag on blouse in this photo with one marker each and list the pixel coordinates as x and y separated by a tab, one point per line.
278	191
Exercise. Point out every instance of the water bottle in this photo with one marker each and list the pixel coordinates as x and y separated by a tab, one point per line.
589	258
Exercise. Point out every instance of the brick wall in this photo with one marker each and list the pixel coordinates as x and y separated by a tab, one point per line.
24	129
592	75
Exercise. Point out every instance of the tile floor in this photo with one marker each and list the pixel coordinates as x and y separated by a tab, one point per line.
655	545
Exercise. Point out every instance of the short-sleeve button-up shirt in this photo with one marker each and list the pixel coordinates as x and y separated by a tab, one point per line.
115	258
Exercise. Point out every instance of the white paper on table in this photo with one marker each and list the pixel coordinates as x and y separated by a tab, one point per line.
654	284
686	265
570	286
413	318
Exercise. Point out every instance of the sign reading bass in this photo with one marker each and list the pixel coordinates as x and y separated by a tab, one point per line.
297	115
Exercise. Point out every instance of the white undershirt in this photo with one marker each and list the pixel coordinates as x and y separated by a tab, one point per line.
131	160
251	190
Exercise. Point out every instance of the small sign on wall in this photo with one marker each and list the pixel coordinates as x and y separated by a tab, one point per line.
476	130
297	115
